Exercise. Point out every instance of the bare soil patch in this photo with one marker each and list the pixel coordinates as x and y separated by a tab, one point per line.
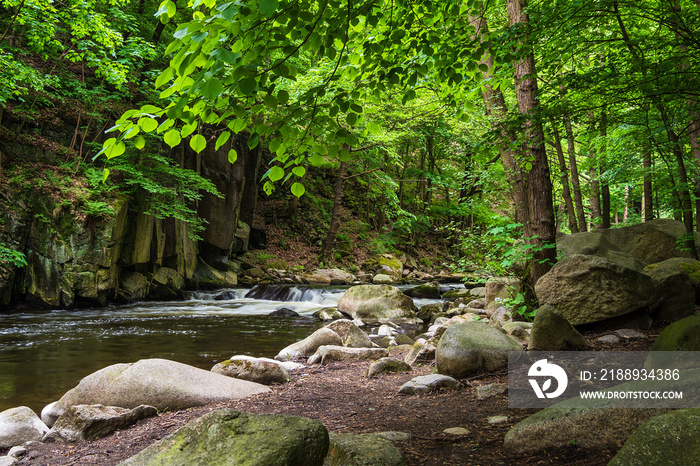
340	396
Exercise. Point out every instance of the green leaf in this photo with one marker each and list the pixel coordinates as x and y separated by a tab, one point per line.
276	174
267	7
316	160
222	139
105	175
299	171
116	150
283	97
248	86
351	119
270	101
198	143
212	89
232	156
147	124
188	129
172	137
268	188
298	189
140	142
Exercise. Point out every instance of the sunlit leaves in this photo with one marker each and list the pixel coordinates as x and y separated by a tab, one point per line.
198	143
232	156
298	189
172	137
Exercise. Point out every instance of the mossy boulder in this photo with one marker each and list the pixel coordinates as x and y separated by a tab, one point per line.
387	364
670	439
552	332
426	290
362	450
378	304
683	335
471	348
677	289
226	436
258	370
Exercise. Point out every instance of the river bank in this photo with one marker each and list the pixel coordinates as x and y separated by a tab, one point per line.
344	400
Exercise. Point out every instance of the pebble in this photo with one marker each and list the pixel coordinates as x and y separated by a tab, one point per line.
394	436
490	390
456	431
497	419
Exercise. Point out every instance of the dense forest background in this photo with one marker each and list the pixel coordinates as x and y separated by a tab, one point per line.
464	134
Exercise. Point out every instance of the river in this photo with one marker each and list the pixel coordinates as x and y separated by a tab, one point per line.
43	354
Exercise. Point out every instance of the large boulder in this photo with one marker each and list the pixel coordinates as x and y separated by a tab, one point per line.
156	382
226	436
425	290
677	289
391	266
90	422
362	450
19	425
683	335
667	440
309	345
471	348
586	289
258	370
648	242
378	304
552	332
500	289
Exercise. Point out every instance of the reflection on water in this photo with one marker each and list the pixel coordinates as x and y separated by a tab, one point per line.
45	353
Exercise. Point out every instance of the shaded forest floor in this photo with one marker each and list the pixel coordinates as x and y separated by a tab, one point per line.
344	400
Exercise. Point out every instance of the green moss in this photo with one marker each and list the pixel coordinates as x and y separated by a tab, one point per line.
391	262
683	335
692	269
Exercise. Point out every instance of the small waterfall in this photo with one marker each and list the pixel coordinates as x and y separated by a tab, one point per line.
285	293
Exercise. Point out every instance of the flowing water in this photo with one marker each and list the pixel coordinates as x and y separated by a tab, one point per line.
43	354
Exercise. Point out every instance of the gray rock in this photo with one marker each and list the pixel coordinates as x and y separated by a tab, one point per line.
329	277
7	461
17	452
383	279
328	353
429	383
330	313
677	290
501	316
629	334
497	420
500	288
264	371
422	350
89	422
387	364
490	390
573	287
378	304
362	450
350	334
226	437
156	382
473	347
19	425
426	290
667	440
552	332
609	339
519	330
309	345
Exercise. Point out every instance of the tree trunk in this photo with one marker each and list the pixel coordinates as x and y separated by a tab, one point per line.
539	226
648	194
604	186
564	179
573	165
335	216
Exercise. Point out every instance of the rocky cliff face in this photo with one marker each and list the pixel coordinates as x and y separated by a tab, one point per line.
76	260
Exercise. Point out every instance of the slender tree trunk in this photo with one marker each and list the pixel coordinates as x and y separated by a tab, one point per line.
495	105
335	216
539	224
564	179
625	212
594	190
573	165
604	186
648	194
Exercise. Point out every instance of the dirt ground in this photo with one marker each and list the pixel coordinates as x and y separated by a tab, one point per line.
340	396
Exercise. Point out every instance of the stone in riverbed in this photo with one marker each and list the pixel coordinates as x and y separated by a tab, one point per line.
226	437
90	422
309	345
378	304
552	332
350	334
429	383
19	425
387	364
